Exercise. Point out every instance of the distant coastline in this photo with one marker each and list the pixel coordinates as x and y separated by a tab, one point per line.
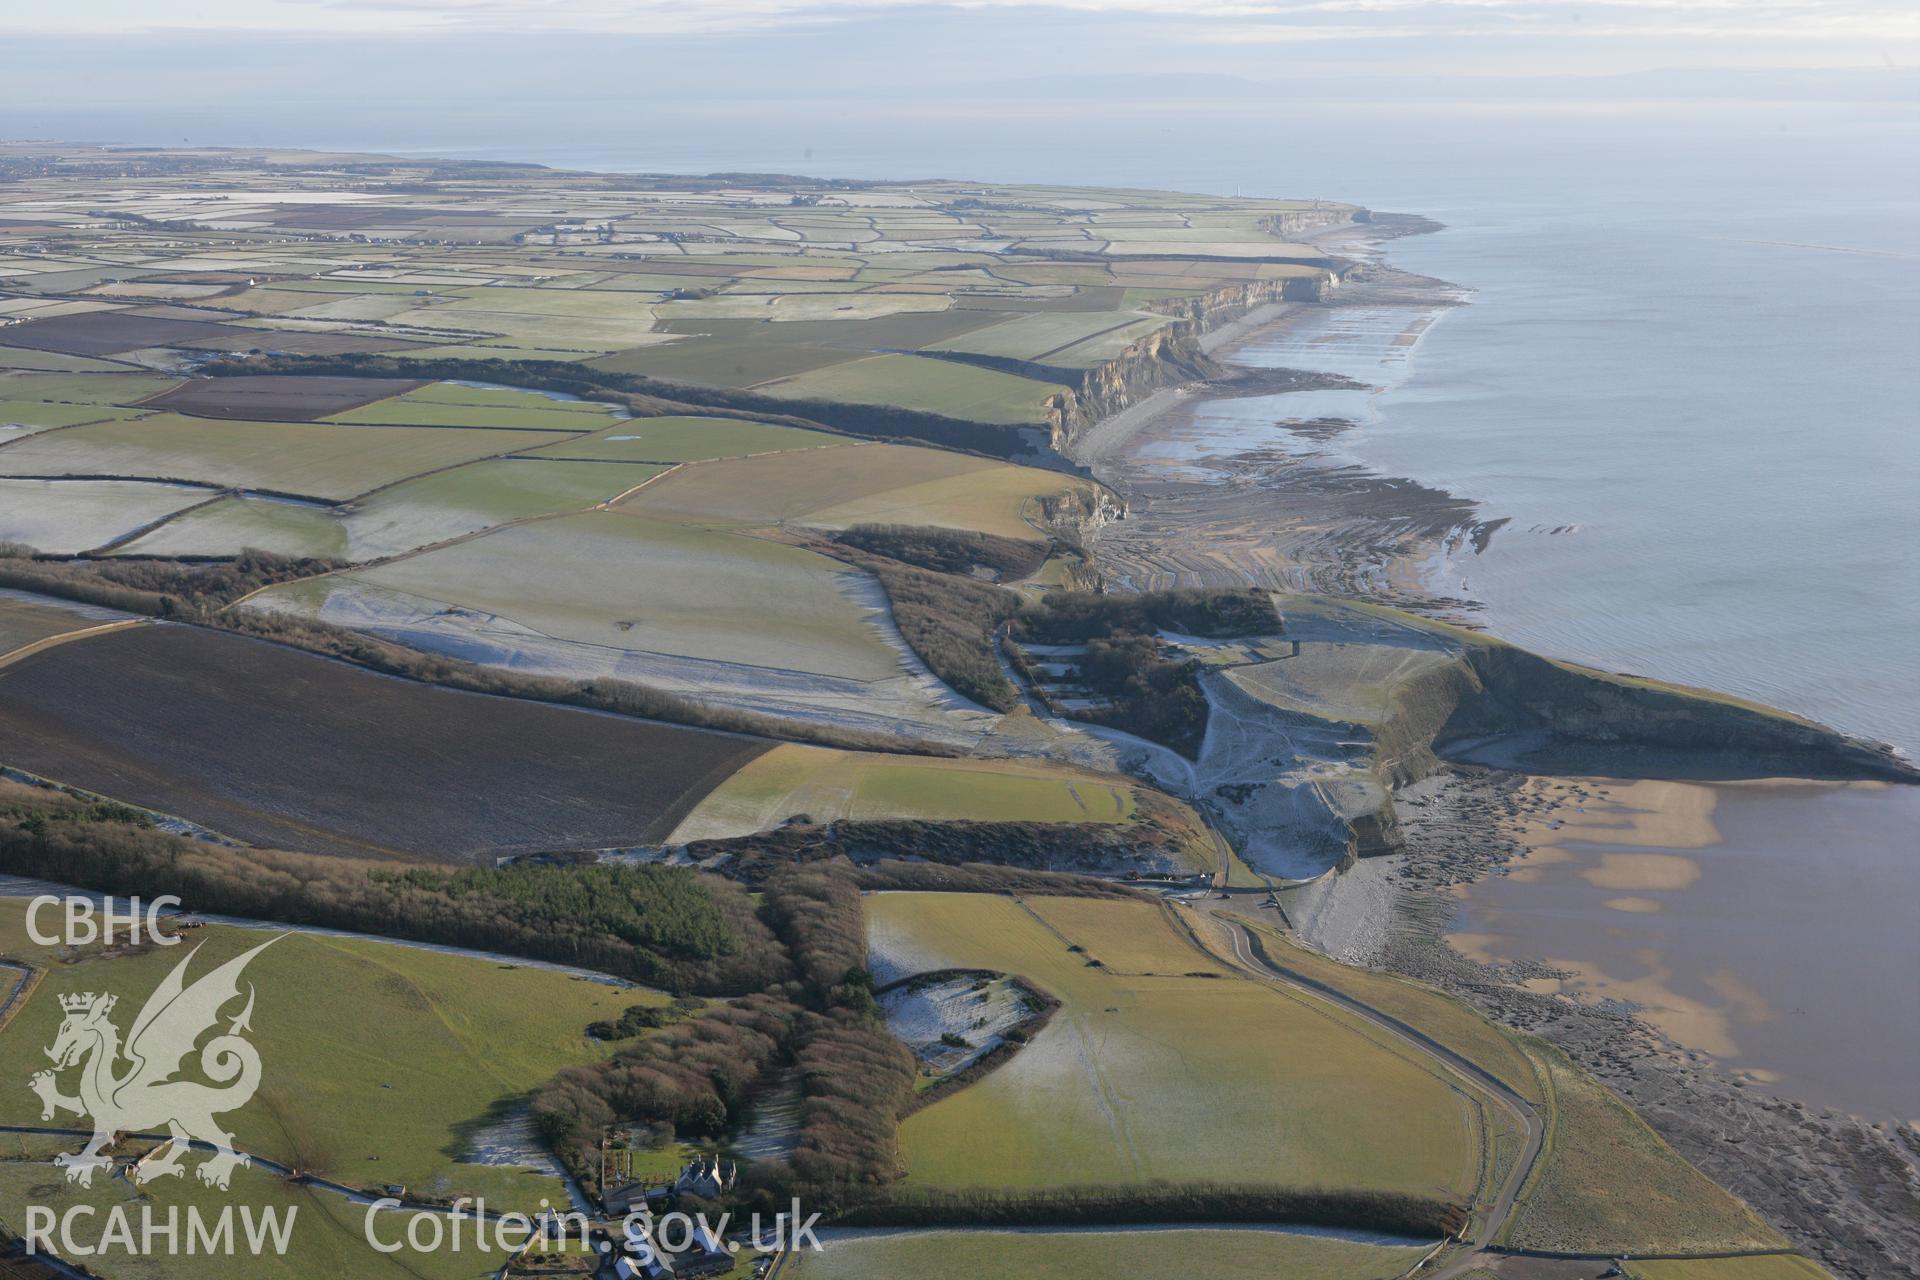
1236	494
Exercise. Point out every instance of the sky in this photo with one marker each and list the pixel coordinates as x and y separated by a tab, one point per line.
1801	32
999	87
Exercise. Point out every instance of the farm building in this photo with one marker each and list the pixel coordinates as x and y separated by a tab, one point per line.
708	1256
706	1176
640	1269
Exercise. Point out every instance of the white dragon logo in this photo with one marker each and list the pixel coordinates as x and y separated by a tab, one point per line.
144	1095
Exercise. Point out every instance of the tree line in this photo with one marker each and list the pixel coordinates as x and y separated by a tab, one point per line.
668	927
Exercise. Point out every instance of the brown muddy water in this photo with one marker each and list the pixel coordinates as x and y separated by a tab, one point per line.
1769	924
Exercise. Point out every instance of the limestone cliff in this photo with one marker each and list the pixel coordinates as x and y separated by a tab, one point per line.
1372	699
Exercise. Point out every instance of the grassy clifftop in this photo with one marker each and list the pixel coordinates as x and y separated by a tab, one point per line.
1551	715
1411	692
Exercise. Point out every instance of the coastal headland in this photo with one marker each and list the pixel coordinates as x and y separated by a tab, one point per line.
1401	744
934	639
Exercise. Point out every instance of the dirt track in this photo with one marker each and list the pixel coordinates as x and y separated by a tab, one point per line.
1250	957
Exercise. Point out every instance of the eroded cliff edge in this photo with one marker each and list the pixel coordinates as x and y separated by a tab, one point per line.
1310	741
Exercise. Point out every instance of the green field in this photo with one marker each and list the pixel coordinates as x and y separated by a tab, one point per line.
618	581
932	386
498	351
1607	1183
458	405
788	308
860	484
1778	1267
686	440
1494	1049
1165	1077
460	393
327	1240
28	360
93	389
24	417
316	460
1099	1255
1065	338
828	785
559	319
479	496
412	514
228	525
456	1036
69	516
723	363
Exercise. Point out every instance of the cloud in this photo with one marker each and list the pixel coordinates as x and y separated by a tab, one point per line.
1869	22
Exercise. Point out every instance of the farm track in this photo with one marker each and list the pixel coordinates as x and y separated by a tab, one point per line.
48	642
1250	957
22	989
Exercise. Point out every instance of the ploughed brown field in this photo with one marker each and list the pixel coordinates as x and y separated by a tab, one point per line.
112	333
277	398
282	748
107	333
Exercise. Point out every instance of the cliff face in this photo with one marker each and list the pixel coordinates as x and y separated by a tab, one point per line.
1375	699
1164	358
1293	222
1552	715
1167	357
1499	704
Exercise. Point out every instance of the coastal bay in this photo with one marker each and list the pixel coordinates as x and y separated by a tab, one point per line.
1673	953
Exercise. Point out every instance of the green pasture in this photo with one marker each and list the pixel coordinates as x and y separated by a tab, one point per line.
1229	1254
1139	1078
1774	1267
686	440
406	411
460	393
407	516
229	525
377	1059
618	581
1608	1183
785	308
1494	1049
480	495
81	389
1039	336
862	484
327	1239
313	459
65	517
932	386
723	363
828	785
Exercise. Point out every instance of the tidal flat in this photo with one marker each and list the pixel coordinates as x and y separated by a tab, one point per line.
1750	921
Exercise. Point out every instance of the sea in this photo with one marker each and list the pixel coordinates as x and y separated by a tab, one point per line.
1687	376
